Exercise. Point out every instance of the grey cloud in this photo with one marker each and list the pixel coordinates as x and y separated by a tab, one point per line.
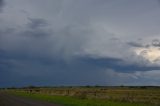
84	70
87	34
156	43
138	78
1	4
36	38
37	28
117	64
54	71
37	23
135	44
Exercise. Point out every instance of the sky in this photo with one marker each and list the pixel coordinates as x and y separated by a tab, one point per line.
79	42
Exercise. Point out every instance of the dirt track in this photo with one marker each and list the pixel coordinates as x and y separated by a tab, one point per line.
10	100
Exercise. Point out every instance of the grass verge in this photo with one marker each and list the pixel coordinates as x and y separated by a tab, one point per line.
72	101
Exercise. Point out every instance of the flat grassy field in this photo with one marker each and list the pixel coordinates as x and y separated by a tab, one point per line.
71	101
93	96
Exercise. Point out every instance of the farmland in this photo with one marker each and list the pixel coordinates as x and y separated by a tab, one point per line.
94	96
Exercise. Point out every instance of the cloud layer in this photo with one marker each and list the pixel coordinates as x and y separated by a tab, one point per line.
79	42
1	4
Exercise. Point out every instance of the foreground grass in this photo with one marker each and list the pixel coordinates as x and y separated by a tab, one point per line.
72	101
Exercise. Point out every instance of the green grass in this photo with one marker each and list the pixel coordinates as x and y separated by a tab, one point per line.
73	101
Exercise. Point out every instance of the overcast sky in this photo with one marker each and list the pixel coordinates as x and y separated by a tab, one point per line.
79	42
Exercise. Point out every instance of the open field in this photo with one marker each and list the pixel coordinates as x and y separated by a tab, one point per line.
94	96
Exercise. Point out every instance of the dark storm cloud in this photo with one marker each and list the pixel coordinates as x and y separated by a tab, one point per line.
79	63
1	4
35	33
46	71
135	44
55	71
37	23
36	28
74	42
116	64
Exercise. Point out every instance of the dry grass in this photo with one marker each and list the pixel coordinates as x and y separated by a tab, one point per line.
132	95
